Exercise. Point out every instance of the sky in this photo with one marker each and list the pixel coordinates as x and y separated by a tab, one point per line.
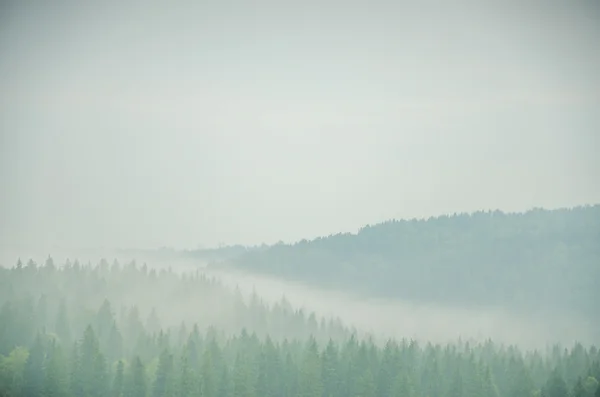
186	124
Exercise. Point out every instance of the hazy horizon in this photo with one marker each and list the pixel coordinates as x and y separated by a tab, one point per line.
129	127
139	126
93	253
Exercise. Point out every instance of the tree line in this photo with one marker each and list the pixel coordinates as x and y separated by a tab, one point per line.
531	261
77	331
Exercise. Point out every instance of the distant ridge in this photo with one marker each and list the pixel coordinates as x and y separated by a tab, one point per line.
529	260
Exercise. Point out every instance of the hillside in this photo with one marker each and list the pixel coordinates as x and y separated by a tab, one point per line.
80	331
535	260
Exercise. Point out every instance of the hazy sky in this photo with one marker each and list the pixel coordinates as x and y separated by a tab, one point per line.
246	122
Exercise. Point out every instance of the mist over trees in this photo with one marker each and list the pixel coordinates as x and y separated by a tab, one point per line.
540	260
105	330
206	144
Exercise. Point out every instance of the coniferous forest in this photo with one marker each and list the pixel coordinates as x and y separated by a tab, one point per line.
527	261
126	330
299	198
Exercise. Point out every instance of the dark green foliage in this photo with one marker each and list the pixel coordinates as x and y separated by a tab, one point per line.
155	360
164	385
187	380
311	381
330	367
526	261
33	376
578	390
118	381
56	381
90	373
225	388
555	386
63	326
208	376
137	383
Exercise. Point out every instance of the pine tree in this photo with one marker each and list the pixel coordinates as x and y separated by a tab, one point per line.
62	325
489	388
472	381
163	382
456	386
114	350
209	386
555	386
33	376
243	385
366	385
520	380
136	385
152	322
329	368
56	382
41	313
77	387
578	390
91	376
387	370
310	382
104	322
225	388
262	386
431	378
118	381
187	381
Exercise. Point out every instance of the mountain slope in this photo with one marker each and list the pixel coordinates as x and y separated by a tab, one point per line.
537	260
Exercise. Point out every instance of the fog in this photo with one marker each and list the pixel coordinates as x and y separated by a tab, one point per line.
379	319
135	134
385	319
197	123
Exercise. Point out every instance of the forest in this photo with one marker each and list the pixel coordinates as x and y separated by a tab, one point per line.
527	261
126	330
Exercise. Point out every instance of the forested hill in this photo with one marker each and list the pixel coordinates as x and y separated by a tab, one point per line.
533	260
78	330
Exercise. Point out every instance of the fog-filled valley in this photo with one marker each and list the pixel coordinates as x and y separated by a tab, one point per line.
520	278
531	260
538	265
130	329
299	199
205	322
